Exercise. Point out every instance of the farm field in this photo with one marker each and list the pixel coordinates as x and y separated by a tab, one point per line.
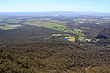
54	24
77	26
13	21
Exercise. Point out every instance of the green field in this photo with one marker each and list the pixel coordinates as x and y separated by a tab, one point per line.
13	21
53	24
42	22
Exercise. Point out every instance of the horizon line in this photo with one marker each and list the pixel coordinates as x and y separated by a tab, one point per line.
52	11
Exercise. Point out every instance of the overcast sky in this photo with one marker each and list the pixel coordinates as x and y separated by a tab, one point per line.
54	5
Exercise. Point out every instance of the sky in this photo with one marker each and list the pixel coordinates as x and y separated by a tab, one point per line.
54	5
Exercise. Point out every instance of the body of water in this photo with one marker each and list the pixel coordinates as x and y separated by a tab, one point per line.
65	38
14	25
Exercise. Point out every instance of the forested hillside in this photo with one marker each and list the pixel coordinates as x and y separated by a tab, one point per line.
55	57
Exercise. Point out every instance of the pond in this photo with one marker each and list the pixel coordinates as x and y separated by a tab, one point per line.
14	25
65	38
